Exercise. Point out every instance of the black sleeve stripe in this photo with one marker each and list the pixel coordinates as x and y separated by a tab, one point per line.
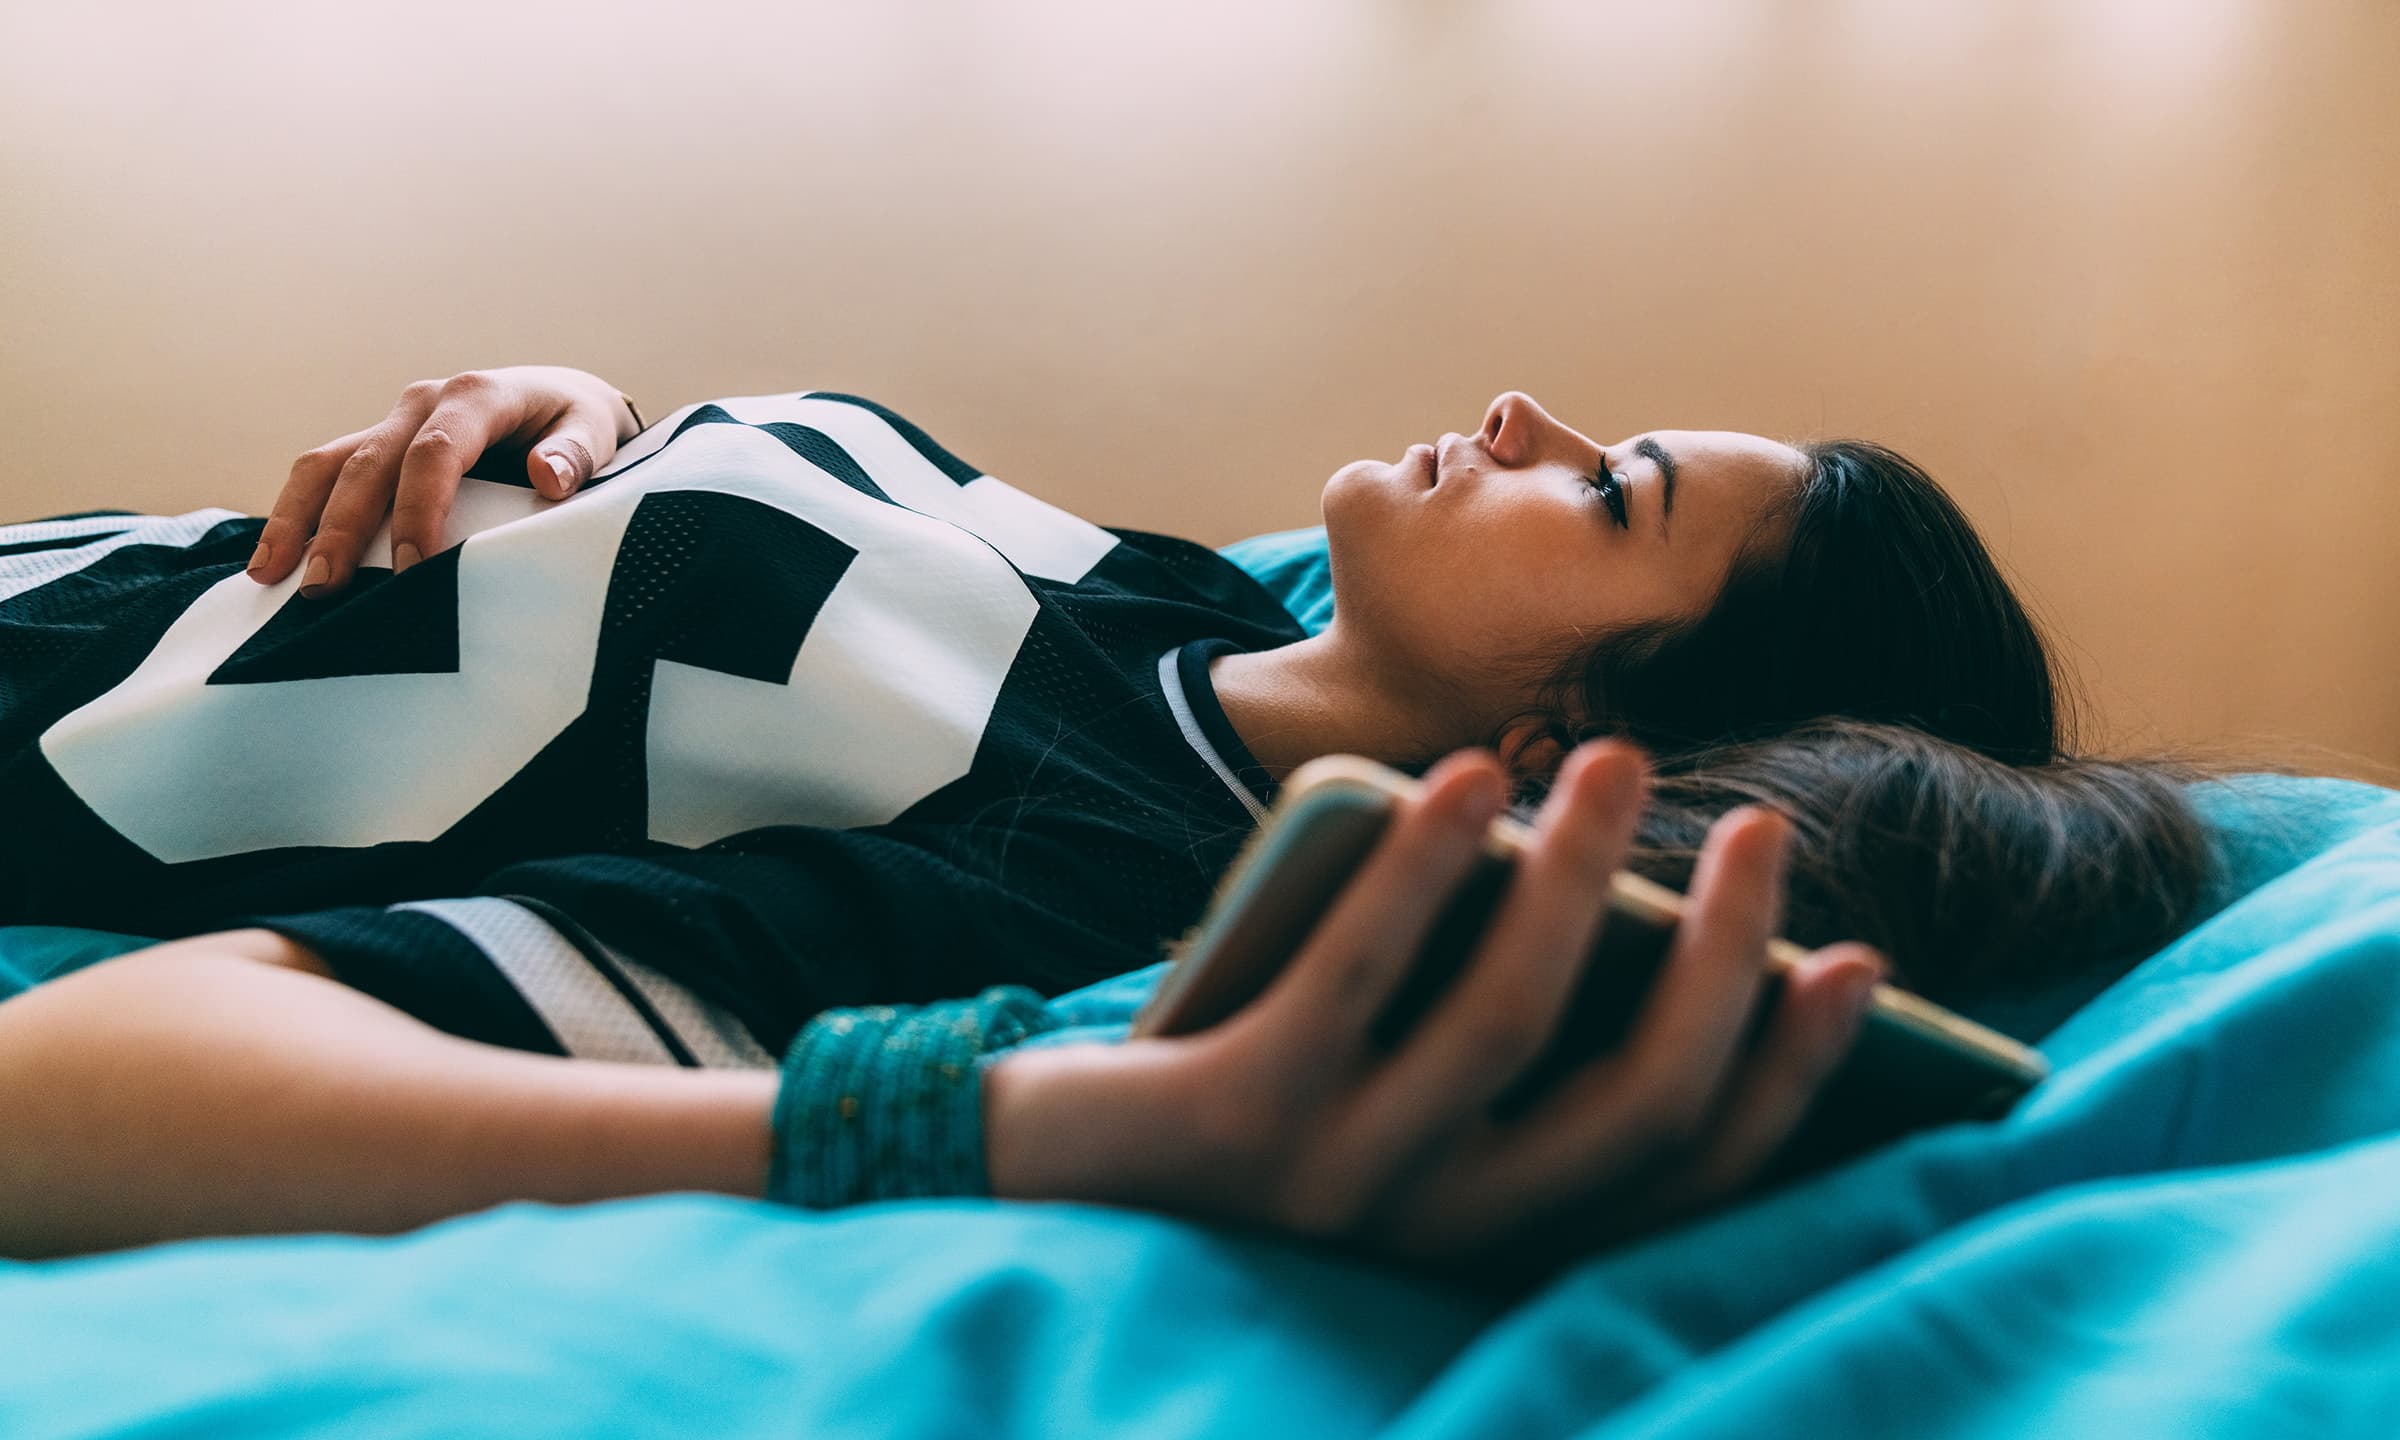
582	1005
55	542
698	1032
711	1035
604	963
28	568
89	525
422	967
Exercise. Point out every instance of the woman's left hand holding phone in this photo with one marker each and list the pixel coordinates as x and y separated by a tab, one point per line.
566	423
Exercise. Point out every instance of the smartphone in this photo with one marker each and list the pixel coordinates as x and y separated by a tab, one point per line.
1913	1064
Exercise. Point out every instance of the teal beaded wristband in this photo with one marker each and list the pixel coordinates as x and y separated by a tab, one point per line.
885	1102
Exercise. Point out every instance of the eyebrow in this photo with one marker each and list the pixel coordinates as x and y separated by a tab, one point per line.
1649	449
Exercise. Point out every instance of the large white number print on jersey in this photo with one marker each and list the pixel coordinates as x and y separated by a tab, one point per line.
886	702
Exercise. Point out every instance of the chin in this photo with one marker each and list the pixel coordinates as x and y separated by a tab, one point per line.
1351	476
1359	485
1348	504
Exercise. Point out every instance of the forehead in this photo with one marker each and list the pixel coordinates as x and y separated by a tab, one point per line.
1728	454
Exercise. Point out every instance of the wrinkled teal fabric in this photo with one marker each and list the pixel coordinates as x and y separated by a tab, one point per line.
2192	1229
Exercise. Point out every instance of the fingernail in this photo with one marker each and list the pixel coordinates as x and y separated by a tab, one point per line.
1862	992
403	556
1486	794
564	471
1779	851
1624	781
316	574
258	558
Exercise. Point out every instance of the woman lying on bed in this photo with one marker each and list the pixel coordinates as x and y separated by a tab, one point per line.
770	735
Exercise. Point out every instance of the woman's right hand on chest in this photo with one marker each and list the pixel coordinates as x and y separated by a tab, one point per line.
558	424
1286	1116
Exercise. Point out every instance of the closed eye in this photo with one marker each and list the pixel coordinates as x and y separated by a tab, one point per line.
1612	494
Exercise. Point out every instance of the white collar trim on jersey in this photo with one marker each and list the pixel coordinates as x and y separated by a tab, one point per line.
1170	680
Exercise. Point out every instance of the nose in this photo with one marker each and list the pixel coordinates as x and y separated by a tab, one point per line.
1514	429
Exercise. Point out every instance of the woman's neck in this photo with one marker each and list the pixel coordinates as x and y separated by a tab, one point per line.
1323	696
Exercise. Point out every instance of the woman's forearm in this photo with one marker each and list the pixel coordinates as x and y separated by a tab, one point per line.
197	1089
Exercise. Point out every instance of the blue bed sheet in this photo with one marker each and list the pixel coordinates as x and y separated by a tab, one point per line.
2192	1229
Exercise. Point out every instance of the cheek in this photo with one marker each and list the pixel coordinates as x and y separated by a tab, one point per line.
1461	590
1540	569
1495	598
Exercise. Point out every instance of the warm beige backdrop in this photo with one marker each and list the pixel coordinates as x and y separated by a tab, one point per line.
2124	273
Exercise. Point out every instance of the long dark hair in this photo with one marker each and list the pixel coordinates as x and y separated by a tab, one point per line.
1975	877
1880	684
1885	606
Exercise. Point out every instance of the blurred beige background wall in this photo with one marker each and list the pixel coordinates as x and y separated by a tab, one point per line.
2125	274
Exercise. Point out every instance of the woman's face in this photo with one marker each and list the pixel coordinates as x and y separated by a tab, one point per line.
1464	559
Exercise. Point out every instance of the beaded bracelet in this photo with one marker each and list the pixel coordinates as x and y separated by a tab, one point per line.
885	1102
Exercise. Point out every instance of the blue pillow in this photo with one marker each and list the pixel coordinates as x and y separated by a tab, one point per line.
30	954
1292	564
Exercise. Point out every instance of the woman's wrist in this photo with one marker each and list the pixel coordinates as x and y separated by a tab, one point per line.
1092	1122
1017	1165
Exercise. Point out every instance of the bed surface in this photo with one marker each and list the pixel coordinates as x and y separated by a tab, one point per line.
2188	1230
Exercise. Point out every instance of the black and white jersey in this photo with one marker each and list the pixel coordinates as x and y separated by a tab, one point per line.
787	708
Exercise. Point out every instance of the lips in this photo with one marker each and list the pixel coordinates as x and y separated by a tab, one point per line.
1430	458
1441	448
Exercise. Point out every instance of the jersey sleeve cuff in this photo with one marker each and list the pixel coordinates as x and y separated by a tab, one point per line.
516	972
